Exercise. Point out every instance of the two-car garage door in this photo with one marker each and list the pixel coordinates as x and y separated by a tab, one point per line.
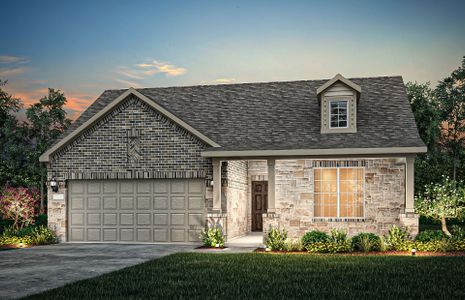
170	210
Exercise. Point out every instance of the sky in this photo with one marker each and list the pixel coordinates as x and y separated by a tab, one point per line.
86	47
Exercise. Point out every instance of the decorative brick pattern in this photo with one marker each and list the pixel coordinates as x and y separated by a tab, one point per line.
167	150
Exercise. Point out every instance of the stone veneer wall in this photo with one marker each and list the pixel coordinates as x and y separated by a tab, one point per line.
384	198
236	202
101	152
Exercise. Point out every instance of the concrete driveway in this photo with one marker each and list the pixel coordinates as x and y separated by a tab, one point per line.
33	270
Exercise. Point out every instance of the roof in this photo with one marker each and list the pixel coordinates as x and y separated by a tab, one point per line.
281	115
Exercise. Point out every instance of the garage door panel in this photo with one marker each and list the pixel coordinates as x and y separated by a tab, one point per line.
144	235
77	202
144	187
178	219
110	203
93	203
178	234
93	188
178	202
168	210
77	219
160	235
143	203
161	187
194	235
93	234
160	202
160	219
93	219
126	203
77	234
126	219
110	234
143	219
127	234
126	187
110	219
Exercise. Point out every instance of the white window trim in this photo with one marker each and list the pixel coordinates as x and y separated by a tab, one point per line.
329	112
338	217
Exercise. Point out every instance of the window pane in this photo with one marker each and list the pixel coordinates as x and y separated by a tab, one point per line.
338	114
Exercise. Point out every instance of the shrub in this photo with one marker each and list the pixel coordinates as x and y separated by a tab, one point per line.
397	238
366	242
329	247
314	236
458	233
276	239
338	236
41	220
294	245
31	235
7	240
19	205
212	236
430	235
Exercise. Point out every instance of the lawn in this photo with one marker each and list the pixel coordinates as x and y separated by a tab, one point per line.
239	276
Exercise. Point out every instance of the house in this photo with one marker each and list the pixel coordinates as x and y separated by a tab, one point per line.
159	164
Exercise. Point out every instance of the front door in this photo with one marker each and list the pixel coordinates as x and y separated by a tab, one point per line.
259	203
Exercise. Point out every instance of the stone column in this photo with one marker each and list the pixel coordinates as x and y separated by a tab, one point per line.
271	185
409	185
216	185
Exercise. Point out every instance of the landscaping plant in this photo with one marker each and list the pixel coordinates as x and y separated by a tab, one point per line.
320	242
212	236
366	242
19	205
276	239
442	201
314	236
430	235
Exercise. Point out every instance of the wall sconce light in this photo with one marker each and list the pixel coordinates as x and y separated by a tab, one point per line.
54	184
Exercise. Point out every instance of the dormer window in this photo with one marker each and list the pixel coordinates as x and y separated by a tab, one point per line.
338	114
338	99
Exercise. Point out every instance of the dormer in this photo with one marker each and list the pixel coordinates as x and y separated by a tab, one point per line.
338	99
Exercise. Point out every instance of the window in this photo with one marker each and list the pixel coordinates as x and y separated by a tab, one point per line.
339	192
338	114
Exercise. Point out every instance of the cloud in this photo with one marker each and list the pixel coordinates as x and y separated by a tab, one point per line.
10	59
157	67
11	72
128	83
224	80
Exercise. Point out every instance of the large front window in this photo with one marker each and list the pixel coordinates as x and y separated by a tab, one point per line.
338	192
338	114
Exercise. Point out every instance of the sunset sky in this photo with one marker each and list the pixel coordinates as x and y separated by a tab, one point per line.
86	47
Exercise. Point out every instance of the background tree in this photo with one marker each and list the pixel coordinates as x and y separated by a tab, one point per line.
442	201
47	120
450	94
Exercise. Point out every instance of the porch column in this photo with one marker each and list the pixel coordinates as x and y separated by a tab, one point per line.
271	185
216	185
409	184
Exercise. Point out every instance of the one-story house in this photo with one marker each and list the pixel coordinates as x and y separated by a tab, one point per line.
161	164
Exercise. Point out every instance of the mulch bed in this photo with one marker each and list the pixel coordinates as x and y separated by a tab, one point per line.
210	248
386	253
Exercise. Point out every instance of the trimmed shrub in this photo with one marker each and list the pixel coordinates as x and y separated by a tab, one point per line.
397	238
366	242
458	233
338	236
294	245
31	235
276	239
430	235
212	236
314	236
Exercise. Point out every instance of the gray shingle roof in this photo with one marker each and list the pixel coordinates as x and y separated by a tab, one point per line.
282	115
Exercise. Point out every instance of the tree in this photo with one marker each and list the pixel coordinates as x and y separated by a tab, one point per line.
442	201
429	166
450	94
47	120
19	205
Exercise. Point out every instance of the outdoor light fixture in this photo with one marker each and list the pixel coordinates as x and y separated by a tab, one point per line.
54	184
414	251
21	245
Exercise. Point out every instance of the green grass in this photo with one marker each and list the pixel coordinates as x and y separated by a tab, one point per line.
267	276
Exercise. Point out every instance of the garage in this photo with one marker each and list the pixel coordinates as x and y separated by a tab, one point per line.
157	210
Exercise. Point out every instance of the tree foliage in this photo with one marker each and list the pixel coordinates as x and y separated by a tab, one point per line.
442	201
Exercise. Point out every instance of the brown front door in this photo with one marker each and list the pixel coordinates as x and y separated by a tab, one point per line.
259	203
